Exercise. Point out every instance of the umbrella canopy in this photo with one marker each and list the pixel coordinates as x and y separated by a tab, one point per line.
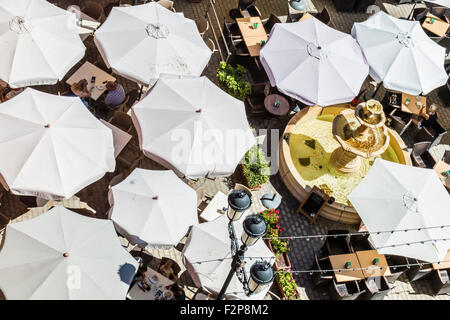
142	42
39	42
314	63
51	146
393	196
401	54
207	256
445	3
153	207
63	255
193	127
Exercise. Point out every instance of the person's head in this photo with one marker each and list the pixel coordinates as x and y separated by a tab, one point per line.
80	85
168	264
432	108
111	85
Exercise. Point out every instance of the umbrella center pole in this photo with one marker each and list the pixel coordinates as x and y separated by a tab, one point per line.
405	39
157	31
315	51
19	25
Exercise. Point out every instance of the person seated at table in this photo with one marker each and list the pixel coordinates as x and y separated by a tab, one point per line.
114	95
7	92
178	292
426	119
80	89
167	270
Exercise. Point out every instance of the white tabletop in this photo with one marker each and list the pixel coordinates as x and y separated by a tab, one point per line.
215	207
136	293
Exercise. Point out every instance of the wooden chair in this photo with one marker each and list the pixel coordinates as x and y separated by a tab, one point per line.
419	156
122	121
376	288
440	281
344	291
322	278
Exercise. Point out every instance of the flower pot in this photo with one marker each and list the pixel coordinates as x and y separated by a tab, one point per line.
282	261
283	294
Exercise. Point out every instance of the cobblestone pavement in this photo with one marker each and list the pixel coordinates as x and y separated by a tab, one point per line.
302	251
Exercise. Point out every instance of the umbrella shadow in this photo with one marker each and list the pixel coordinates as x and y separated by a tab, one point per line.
126	272
309	156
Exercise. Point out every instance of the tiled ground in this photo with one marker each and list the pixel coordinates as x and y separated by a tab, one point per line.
302	251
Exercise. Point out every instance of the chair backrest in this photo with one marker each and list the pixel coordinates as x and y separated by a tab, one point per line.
271	22
398	124
324	16
121	120
419	14
446	157
175	267
420	147
94	10
121	107
202	25
133	95
168	4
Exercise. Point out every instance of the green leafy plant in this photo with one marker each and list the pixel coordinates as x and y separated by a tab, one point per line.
255	167
232	80
271	218
280	246
287	284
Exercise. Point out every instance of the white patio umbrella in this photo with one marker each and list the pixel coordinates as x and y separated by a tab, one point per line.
63	255
393	196
142	42
51	146
153	207
445	3
39	42
207	257
192	127
400	54
314	63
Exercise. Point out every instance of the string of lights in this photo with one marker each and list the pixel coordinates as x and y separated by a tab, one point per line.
323	236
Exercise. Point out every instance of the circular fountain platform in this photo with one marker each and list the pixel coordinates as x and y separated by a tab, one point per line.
304	160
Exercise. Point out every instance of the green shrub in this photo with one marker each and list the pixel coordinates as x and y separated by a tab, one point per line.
232	80
288	285
255	167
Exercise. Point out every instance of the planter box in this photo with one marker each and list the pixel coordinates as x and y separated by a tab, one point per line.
282	262
246	181
283	294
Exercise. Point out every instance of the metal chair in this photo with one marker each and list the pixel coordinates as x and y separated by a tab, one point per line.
270	22
359	242
168	4
417	272
440	281
393	263
417	153
211	45
399	125
376	288
94	10
433	133
255	101
202	25
322	278
338	244
344	291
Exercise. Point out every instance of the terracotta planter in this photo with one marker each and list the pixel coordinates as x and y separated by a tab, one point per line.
282	261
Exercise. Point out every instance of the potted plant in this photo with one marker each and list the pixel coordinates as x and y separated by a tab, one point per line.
286	284
231	80
255	168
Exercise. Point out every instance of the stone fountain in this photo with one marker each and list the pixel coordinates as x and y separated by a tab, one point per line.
361	133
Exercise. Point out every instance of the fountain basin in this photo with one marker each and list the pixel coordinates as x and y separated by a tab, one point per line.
315	123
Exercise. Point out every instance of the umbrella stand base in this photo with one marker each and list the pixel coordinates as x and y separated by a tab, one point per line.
345	162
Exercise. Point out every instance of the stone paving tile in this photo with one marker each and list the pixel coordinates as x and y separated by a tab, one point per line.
302	251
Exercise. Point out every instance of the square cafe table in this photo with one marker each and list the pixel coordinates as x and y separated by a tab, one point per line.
338	262
440	167
87	71
366	258
445	263
412	107
136	293
438	27
252	37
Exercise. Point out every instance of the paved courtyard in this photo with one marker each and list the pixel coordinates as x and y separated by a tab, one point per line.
302	251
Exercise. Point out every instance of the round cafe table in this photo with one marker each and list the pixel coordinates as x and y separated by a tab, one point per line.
269	104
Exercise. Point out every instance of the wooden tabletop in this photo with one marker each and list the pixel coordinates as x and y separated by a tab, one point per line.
305	17
87	71
136	293
252	37
445	264
440	167
413	106
120	137
438	26
269	104
338	262
366	258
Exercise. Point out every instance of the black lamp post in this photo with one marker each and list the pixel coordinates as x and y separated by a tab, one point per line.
254	227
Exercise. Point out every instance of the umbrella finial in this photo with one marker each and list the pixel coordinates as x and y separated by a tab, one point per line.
198	110
47	125
66	255
155	198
